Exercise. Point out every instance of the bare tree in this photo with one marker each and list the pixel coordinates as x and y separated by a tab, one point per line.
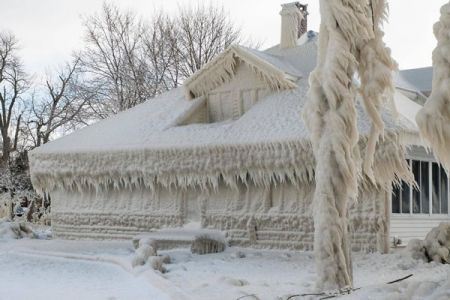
111	57
161	54
60	105
128	61
205	31
13	84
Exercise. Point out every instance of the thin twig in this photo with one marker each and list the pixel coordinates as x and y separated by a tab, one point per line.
303	295
242	297
343	292
347	292
400	279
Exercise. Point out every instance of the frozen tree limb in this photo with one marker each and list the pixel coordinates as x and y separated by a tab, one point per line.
350	40
375	71
434	118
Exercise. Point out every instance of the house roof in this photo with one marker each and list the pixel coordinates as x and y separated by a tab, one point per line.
145	145
276	73
416	80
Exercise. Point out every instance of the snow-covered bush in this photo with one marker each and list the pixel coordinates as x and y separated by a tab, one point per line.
150	242
166	259
157	263
205	244
142	254
147	251
416	249
16	230
140	240
435	247
18	200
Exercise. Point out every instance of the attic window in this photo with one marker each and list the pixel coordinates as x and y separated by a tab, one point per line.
221	106
231	99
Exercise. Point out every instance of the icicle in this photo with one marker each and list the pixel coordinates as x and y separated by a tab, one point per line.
222	70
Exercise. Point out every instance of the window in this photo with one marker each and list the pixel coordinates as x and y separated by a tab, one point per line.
432	194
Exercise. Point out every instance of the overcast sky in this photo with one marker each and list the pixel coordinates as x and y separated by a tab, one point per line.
49	30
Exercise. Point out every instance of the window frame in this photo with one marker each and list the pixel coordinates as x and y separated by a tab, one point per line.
430	192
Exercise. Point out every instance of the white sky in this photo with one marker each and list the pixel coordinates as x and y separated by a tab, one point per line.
49	30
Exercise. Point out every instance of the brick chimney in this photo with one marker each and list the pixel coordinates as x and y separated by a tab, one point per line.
294	23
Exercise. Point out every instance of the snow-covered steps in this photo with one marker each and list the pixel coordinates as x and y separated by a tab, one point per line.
182	237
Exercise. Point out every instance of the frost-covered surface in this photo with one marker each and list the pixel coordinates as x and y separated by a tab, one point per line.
274	72
144	145
41	269
435	247
434	118
16	230
350	43
55	269
277	217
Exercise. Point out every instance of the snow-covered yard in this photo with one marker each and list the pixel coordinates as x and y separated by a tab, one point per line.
57	269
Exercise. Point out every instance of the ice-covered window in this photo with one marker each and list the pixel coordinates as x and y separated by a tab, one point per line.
432	194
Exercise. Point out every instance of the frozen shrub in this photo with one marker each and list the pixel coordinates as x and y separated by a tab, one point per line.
146	251
16	230
157	263
435	247
135	242
137	261
205	244
166	259
417	249
143	240
148	241
238	254
437	243
142	254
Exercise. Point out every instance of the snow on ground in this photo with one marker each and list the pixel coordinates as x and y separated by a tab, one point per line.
57	269
280	274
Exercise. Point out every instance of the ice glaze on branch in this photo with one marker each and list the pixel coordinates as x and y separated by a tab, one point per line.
434	118
350	41
375	71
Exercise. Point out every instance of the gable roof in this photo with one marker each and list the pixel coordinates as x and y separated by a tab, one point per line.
418	80
274	72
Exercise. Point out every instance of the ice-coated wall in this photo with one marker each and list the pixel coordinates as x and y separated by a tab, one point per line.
275	217
281	217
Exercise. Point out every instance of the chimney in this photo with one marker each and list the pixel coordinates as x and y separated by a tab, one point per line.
294	23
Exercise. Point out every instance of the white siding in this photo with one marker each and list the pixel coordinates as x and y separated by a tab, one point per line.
416	226
407	227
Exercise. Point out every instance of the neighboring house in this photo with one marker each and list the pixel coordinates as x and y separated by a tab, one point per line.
228	151
415	83
416	210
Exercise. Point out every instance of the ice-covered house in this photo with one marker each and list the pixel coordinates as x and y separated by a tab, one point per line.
416	211
227	151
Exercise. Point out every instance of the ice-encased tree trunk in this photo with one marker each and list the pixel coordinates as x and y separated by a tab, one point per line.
434	118
350	41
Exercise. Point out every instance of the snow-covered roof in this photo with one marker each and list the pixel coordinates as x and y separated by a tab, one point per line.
407	109
146	145
154	125
415	80
421	78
